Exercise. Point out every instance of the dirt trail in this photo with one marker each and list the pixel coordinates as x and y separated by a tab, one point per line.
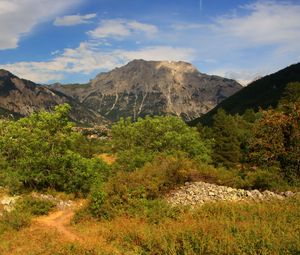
60	221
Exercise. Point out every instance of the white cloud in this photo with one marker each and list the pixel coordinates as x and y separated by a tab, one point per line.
86	59
158	53
268	22
121	28
244	77
18	18
72	20
189	26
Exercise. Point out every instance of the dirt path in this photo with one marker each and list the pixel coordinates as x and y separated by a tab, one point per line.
60	221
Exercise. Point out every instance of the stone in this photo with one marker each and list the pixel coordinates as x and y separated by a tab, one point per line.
198	193
289	194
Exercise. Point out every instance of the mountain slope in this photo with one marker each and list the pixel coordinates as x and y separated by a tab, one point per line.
263	93
143	88
20	97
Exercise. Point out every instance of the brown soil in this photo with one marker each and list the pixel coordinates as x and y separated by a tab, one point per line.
60	221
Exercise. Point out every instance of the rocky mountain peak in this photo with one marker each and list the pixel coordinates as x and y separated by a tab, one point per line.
5	74
143	88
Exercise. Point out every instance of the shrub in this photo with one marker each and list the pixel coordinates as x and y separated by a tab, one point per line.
16	219
131	193
221	176
39	152
265	179
139	142
35	206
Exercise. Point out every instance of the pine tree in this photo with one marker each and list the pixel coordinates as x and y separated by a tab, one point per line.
226	149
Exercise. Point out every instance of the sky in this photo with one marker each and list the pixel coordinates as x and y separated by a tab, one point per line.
71	41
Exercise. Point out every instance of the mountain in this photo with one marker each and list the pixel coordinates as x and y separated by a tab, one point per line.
143	88
19	97
263	93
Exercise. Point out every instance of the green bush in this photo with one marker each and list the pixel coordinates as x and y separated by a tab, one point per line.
265	179
131	193
35	206
39	152
220	175
139	142
16	219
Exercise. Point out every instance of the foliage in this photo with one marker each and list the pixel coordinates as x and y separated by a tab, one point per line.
38	152
139	142
16	220
262	93
21	214
216	228
131	193
35	206
265	179
277	141
226	149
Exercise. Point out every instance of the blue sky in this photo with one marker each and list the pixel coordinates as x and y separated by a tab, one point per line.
72	40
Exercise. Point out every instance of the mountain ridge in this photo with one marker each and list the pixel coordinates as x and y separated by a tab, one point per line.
262	93
142	88
20	97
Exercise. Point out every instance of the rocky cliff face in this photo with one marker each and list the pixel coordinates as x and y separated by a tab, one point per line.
143	88
21	97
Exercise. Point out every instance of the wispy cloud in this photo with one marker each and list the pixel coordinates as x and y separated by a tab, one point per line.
88	58
122	28
247	40
72	20
268	22
258	39
17	19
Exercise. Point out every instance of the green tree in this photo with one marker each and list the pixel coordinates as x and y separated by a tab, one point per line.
139	142
39	153
226	149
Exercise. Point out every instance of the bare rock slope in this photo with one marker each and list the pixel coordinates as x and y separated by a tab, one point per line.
21	97
143	88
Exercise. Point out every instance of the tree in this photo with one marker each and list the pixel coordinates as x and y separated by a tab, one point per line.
226	149
39	153
277	135
139	142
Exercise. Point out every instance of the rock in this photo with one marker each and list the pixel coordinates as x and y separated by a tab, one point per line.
8	200
229	189
197	193
8	203
289	194
143	88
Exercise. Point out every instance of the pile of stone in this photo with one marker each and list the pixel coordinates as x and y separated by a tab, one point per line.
195	193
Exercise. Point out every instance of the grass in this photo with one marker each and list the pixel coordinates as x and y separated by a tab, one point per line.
222	228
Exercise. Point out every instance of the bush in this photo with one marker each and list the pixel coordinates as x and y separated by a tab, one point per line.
139	142
39	152
221	176
265	179
15	219
131	193
35	206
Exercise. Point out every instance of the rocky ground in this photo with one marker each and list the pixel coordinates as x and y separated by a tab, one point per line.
196	193
7	203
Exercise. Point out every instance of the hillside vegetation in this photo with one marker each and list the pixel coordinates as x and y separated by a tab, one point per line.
262	93
125	210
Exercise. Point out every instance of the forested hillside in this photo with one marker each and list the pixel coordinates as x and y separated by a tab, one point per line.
263	93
